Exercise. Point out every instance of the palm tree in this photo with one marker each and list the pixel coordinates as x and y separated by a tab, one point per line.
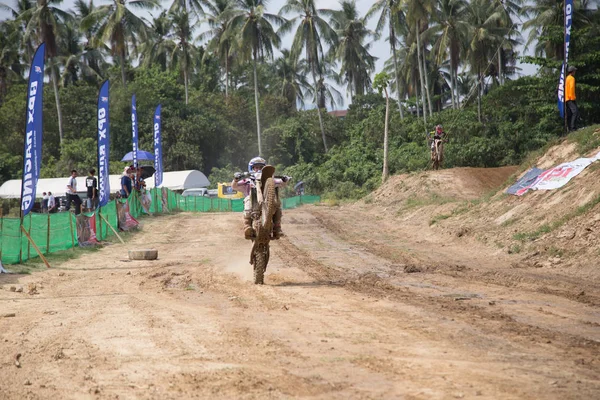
43	23
10	59
356	62
390	14
381	83
417	13
184	51
452	30
311	30
221	41
291	82
547	20
487	34
257	38
119	26
158	48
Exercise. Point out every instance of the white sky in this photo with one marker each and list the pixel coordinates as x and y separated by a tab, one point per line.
379	49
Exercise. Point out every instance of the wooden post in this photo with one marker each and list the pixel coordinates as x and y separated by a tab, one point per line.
71	225
29	243
110	226
34	246
48	236
1	233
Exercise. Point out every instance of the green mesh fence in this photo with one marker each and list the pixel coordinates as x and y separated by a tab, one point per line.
56	232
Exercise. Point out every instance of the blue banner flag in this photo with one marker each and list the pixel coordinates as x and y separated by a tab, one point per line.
561	82
158	175
32	148
134	129
103	146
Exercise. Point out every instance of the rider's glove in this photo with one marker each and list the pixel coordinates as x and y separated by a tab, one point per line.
237	176
285	178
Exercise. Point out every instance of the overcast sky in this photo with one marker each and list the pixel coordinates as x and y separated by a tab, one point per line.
380	48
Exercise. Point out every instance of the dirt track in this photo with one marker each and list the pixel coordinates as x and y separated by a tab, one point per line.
378	312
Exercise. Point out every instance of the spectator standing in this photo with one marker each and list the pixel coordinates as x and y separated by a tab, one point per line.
571	99
92	190
72	196
45	203
51	203
125	183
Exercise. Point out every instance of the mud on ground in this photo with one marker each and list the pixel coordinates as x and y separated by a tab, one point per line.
355	305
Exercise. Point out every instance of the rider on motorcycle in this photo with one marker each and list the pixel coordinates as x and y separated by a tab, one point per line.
437	134
245	185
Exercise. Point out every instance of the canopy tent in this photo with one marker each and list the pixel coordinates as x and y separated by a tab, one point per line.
175	180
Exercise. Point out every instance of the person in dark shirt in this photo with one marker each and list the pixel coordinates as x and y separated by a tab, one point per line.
92	190
125	183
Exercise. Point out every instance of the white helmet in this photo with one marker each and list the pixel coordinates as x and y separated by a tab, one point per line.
256	161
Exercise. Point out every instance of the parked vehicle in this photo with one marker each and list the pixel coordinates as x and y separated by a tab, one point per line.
201	192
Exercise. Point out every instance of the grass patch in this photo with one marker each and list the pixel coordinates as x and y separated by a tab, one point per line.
546	228
514	249
586	138
432	199
438	218
555	252
508	222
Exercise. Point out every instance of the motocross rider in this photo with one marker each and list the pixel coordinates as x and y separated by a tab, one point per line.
438	134
245	185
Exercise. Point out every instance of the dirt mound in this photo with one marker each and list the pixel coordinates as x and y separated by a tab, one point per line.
443	185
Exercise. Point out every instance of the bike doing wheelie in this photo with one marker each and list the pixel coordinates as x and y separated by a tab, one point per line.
437	147
262	211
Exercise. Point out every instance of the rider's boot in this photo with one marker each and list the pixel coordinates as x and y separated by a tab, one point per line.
277	233
248	230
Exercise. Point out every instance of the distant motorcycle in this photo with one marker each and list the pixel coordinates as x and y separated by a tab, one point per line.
437	153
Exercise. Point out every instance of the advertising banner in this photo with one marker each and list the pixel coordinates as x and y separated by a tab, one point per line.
32	149
134	131
158	166
103	146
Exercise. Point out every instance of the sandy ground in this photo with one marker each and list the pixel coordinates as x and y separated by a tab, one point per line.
353	307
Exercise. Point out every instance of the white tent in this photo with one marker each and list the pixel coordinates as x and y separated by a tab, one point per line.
176	180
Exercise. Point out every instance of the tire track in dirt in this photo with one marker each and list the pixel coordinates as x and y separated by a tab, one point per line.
571	346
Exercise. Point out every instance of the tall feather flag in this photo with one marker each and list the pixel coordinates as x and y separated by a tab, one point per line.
103	145
134	130
561	82
158	166
32	148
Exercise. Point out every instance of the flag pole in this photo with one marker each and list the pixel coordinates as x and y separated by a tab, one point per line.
565	111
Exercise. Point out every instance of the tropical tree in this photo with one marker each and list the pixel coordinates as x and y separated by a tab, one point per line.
390	14
417	14
291	83
312	29
43	23
257	38
547	25
184	51
381	83
10	59
221	40
119	26
487	34
451	31
352	51
159	48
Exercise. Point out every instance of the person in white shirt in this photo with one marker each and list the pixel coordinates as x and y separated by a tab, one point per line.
45	203
72	195
51	203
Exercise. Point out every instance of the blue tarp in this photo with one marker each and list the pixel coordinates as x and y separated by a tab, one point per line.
525	182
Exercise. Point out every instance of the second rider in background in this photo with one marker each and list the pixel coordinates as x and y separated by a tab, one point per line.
245	185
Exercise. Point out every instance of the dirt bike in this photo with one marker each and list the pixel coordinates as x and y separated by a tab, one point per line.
437	153
265	202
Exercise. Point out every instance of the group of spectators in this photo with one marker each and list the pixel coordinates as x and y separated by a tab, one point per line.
91	184
131	178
